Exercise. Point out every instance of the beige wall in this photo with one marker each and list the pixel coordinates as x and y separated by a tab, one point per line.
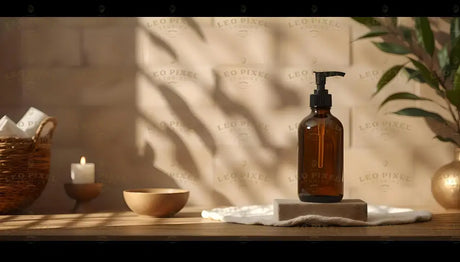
211	105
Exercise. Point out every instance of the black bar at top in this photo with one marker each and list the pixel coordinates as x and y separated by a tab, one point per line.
229	8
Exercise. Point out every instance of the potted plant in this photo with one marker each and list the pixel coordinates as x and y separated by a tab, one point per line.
436	68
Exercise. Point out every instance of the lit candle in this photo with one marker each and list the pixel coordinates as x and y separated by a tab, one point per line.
82	173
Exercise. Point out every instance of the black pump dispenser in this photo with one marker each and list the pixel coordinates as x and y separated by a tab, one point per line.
321	98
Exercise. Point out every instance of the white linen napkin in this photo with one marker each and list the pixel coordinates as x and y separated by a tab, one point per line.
8	128
31	120
263	215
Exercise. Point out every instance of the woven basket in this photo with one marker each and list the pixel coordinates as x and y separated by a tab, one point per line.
24	168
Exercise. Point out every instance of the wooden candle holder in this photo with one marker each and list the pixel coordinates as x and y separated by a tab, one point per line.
82	193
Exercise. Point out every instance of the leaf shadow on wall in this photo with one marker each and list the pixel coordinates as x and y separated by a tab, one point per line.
280	154
284	97
182	154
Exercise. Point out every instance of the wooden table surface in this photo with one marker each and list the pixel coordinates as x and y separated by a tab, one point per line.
188	225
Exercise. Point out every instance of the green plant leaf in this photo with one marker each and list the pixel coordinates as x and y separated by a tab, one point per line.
407	33
427	75
414	74
392	48
387	77
446	139
454	29
454	57
373	34
424	34
403	96
457	79
454	97
367	21
417	112
443	58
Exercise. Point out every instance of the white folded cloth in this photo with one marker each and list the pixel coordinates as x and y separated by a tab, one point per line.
8	128
26	127
263	215
31	120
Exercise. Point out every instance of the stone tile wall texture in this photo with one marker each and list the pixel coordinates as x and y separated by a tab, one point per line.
211	105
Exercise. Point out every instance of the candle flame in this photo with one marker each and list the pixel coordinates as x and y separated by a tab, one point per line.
82	160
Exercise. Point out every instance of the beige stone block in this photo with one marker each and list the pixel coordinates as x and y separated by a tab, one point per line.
315	41
347	188
204	21
175	85
110	86
92	86
11	88
114	46
10	45
152	50
33	23
242	26
15	113
57	86
164	40
95	22
241	129
436	106
107	127
285	169
50	46
365	53
190	126
359	29
69	119
246	120
284	125
108	137
379	128
245	175
381	175
284	209
179	157
241	83
176	27
301	80
361	81
227	47
9	24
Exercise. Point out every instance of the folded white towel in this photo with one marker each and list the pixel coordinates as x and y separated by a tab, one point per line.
8	128
263	215
31	120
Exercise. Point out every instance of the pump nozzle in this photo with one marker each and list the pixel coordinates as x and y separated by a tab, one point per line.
321	77
321	98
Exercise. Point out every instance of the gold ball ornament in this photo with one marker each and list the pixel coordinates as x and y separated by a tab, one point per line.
445	184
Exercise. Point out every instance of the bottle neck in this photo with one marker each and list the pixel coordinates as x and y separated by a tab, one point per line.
321	111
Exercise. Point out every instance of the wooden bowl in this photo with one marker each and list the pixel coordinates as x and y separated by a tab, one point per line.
156	202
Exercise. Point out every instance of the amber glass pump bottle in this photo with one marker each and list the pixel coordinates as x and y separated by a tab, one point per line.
320	158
